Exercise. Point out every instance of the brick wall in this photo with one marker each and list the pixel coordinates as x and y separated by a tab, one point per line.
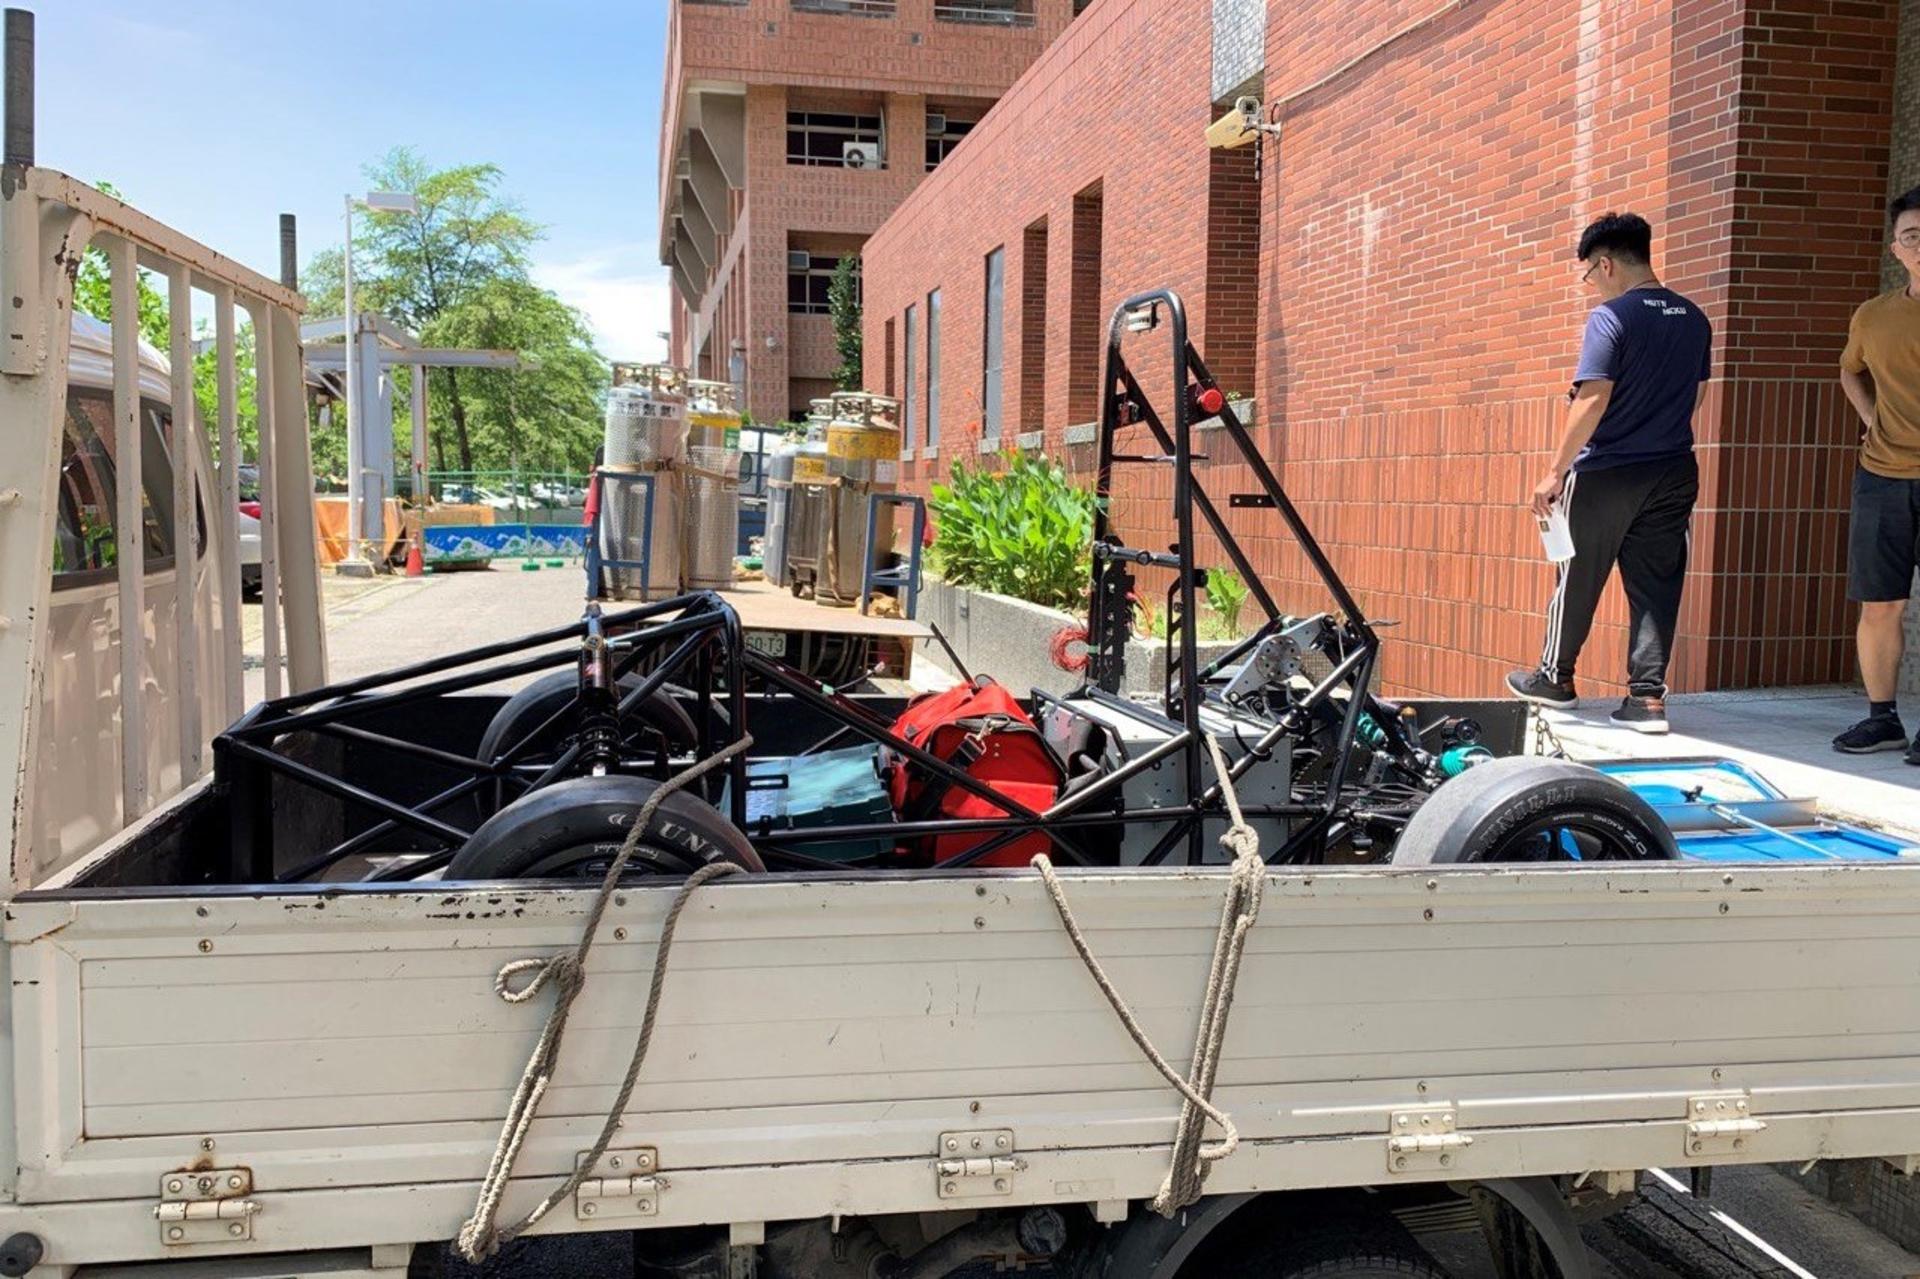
1418	304
1233	267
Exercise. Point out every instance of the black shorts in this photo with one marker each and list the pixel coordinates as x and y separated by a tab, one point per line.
1883	546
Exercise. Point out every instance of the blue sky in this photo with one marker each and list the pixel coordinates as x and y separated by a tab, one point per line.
218	116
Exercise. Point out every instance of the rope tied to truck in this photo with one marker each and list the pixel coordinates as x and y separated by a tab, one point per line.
480	1235
1192	1156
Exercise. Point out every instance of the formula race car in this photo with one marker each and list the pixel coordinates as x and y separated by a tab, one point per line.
435	780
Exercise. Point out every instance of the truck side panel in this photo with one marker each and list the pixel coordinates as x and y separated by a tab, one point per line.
332	1042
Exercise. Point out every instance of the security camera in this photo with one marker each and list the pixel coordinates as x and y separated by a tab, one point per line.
1249	109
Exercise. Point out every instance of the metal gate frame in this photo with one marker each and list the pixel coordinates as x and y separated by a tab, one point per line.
47	221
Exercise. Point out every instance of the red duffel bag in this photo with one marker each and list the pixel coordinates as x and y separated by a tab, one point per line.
980	728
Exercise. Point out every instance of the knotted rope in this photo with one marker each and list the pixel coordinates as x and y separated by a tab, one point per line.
1187	1172
480	1237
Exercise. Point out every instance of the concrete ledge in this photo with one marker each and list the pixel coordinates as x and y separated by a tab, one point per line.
906	455
1030	440
986	446
1242	409
1007	638
995	635
930	452
1083	433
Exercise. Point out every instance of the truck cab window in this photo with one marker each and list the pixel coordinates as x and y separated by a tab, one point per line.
84	546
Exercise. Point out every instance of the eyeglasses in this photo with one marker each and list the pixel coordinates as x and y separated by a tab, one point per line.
1909	238
1588	273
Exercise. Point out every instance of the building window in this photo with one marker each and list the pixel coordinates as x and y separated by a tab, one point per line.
933	369
887	377
1085	324
809	277
994	345
835	139
1033	327
943	135
911	332
850	8
990	13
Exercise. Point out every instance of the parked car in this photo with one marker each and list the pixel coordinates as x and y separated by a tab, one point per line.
247	524
560	494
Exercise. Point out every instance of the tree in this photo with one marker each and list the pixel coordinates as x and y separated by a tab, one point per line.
461	255
547	415
843	304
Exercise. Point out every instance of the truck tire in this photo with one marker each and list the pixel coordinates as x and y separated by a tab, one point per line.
573	829
1528	809
1362	1265
659	717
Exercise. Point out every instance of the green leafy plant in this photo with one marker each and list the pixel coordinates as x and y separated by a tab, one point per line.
1024	531
843	306
1151	621
1226	596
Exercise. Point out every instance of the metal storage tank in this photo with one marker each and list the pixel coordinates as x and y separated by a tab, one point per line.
712	475
807	503
646	435
779	488
863	457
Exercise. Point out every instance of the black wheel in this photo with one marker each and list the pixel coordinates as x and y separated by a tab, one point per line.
1528	809
657	721
573	830
1354	1240
1361	1265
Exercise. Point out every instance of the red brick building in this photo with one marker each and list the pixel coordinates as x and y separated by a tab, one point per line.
1392	280
790	130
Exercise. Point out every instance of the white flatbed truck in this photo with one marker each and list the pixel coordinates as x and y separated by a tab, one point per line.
872	1075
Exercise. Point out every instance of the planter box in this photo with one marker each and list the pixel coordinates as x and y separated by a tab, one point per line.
1008	638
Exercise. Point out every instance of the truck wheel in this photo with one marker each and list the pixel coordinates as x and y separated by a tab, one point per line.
1367	1250
1362	1265
1527	809
573	829
654	720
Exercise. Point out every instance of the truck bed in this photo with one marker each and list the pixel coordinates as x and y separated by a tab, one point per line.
818	1036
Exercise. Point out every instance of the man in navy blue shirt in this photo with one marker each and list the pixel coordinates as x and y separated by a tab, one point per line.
1624	472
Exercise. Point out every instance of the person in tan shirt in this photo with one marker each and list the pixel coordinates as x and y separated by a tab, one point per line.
1880	373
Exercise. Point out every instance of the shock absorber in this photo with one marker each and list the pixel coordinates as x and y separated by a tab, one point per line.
599	700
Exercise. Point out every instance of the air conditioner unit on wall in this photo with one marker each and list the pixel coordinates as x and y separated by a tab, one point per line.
936	124
798	260
860	155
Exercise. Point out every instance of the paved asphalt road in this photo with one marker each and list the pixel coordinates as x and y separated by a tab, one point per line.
388	621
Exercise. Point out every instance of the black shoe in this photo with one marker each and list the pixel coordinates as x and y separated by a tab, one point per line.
1913	752
1534	686
1641	714
1874	733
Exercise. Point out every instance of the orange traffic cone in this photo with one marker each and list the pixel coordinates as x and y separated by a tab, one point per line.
416	567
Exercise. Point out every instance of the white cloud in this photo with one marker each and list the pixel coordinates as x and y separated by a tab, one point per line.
623	293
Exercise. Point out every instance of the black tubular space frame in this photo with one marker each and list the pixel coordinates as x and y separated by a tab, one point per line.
1123	404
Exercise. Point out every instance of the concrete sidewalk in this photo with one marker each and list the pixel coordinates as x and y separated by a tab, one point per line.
1784	734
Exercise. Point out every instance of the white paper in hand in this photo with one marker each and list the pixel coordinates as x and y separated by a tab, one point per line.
1555	536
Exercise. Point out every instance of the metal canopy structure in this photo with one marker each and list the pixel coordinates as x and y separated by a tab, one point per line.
380	345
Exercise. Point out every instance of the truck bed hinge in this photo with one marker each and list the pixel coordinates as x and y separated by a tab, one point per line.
1425	1138
621	1185
209	1206
1721	1123
977	1163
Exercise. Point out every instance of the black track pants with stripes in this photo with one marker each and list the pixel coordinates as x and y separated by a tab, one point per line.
1635	516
